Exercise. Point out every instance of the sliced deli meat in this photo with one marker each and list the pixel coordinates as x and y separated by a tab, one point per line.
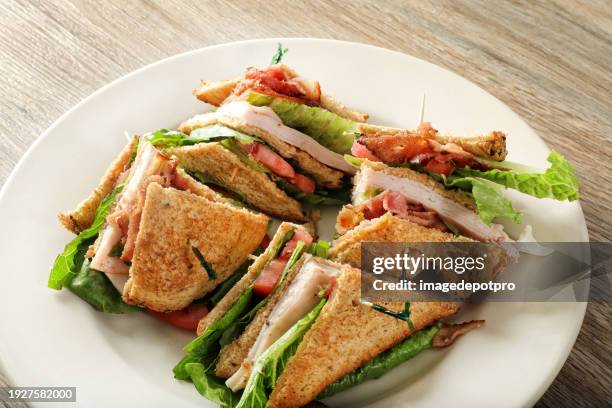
265	119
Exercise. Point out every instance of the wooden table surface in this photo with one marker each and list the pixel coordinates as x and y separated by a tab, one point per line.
549	61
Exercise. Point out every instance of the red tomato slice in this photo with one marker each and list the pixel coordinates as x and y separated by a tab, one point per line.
265	282
265	241
290	246
306	184
271	160
187	318
359	150
332	285
303	236
440	167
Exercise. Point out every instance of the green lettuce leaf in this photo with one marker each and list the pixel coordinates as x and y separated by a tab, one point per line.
279	248
384	362
328	129
68	263
210	386
319	197
207	342
96	289
319	248
221	290
489	200
353	161
164	138
559	181
273	361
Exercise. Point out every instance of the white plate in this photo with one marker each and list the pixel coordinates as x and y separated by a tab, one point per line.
50	338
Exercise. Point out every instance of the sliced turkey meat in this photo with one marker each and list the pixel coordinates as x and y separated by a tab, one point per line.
264	118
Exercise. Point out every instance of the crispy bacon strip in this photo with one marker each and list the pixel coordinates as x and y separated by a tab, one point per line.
397	204
449	333
277	81
416	147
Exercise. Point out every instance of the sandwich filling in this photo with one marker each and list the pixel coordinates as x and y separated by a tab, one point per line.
265	118
299	299
407	197
278	80
418	148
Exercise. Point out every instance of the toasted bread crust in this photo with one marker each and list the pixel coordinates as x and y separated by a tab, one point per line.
215	92
228	170
331	104
82	217
347	219
491	146
345	336
459	196
234	293
233	355
388	228
165	272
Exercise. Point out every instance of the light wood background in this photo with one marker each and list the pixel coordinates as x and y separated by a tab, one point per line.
549	61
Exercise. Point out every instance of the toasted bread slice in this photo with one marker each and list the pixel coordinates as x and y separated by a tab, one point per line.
233	355
234	293
388	228
323	174
346	335
215	92
491	146
227	170
82	217
175	228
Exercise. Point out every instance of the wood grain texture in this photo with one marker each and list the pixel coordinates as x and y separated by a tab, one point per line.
549	61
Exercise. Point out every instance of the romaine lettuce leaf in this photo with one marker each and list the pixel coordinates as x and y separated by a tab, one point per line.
68	263
353	161
384	362
221	290
328	129
319	197
559	181
211	387
270	365
164	138
207	341
488	197
96	289
318	248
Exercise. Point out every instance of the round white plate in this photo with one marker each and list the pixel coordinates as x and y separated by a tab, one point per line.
53	338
